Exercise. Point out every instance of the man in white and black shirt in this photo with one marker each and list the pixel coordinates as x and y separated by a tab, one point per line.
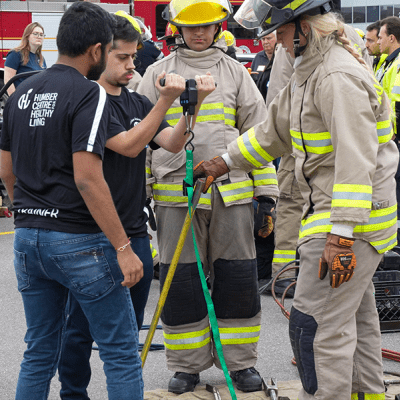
68	235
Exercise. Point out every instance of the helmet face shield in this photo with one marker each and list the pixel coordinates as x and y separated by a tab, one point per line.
252	13
271	14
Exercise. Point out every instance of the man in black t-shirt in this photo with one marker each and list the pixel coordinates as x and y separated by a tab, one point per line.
126	178
68	235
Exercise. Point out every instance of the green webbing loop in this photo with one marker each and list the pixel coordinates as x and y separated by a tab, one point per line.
210	306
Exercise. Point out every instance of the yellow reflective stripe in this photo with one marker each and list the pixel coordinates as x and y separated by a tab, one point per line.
265	176
251	149
297	142
237	191
284	256
153	251
317	223
384	130
240	335
317	143
174	193
384	245
346	195
208	112
378	220
189	340
148	170
368	396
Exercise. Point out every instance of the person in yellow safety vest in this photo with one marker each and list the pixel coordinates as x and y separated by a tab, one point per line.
223	222
372	45
389	43
345	169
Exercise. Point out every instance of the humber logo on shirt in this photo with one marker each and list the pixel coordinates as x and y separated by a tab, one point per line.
23	101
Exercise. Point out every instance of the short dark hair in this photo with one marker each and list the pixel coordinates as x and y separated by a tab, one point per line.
84	24
392	26
125	31
374	26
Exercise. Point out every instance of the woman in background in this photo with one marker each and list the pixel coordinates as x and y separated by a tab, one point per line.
27	56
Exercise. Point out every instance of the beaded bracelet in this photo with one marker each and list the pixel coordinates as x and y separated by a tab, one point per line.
122	248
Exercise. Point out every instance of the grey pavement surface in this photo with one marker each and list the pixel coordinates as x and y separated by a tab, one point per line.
274	348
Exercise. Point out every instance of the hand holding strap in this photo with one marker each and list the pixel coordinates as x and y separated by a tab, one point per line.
210	170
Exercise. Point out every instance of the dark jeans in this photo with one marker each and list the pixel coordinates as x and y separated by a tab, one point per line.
48	265
74	366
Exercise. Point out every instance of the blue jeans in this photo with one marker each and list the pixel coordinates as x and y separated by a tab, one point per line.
48	264
74	367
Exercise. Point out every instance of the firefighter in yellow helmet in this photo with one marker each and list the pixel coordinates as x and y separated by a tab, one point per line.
229	38
223	222
345	168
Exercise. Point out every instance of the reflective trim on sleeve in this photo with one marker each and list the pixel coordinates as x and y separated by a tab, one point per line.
187	341
251	149
284	256
241	335
236	191
265	176
357	196
384	245
384	130
378	220
173	193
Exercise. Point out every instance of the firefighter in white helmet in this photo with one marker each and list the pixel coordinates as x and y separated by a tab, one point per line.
223	222
345	165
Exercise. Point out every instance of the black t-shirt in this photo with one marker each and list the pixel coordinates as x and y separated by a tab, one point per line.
51	116
124	175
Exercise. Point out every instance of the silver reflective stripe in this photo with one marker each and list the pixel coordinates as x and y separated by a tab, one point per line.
387	244
384	131
396	90
318	222
317	143
240	335
251	149
231	192
352	196
196	339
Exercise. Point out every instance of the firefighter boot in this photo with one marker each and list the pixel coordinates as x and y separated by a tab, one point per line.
247	380
182	382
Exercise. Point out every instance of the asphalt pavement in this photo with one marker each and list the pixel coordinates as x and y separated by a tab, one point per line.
274	349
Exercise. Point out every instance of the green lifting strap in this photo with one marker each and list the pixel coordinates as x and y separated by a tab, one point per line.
210	306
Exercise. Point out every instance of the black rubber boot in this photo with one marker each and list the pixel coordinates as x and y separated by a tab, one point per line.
182	382
247	380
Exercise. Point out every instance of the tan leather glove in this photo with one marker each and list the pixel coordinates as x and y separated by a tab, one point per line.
210	170
338	257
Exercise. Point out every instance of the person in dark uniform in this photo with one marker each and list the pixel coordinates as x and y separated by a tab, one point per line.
263	58
125	175
68	236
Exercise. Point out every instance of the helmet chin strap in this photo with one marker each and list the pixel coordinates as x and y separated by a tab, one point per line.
296	39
